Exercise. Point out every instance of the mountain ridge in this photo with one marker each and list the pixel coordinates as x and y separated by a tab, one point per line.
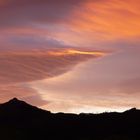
20	120
17	102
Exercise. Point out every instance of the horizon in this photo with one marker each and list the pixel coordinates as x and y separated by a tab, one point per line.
18	101
71	56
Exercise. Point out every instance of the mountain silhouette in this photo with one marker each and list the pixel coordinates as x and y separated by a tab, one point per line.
17	105
20	121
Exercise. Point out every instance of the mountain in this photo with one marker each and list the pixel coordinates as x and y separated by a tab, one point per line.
18	110
21	121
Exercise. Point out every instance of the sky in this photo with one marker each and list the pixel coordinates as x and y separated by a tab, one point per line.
71	56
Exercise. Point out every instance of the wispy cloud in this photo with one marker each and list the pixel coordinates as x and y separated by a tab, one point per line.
18	68
26	66
84	23
42	39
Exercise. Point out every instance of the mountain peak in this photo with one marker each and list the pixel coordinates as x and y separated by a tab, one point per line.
16	104
14	100
19	105
20	109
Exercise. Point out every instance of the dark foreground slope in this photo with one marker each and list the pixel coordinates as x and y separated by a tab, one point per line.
21	121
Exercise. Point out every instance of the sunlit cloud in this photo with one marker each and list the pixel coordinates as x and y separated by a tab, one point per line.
26	66
112	18
106	84
84	23
18	68
76	52
42	41
97	22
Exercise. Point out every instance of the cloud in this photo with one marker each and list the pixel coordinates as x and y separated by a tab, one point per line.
97	17
95	23
84	23
108	83
26	66
36	36
15	13
18	68
31	22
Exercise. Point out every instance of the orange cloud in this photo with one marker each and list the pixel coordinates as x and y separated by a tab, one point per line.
95	21
88	23
112	18
76	52
26	66
18	68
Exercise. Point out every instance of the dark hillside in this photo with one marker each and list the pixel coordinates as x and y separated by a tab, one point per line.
20	121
